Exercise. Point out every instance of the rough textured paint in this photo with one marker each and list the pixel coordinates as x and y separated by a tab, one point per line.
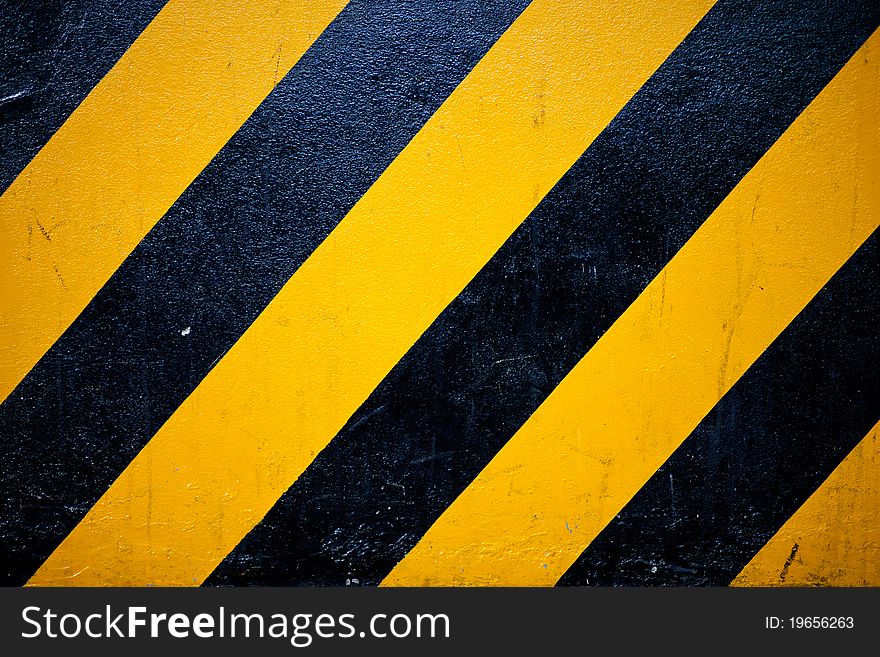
746	273
760	453
598	238
428	224
54	52
128	151
223	250
313	269
834	538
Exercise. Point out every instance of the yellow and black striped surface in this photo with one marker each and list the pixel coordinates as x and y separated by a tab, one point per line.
403	292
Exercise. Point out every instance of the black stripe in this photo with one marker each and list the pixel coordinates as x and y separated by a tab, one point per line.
762	451
666	161
53	53
222	252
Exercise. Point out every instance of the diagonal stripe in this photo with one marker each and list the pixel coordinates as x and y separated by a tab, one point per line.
830	540
435	216
54	53
762	451
606	229
638	393
129	150
219	256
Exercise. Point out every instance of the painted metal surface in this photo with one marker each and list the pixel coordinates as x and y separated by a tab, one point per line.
461	293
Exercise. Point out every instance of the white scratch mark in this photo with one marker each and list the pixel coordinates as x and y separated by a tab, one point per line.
508	360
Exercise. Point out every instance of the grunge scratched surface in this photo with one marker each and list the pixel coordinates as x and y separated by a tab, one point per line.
468	293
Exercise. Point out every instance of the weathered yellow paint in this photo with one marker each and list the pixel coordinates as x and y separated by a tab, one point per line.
129	150
480	165
746	273
834	537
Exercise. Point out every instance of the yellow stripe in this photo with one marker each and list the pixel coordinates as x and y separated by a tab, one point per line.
129	150
457	191
782	233
833	537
